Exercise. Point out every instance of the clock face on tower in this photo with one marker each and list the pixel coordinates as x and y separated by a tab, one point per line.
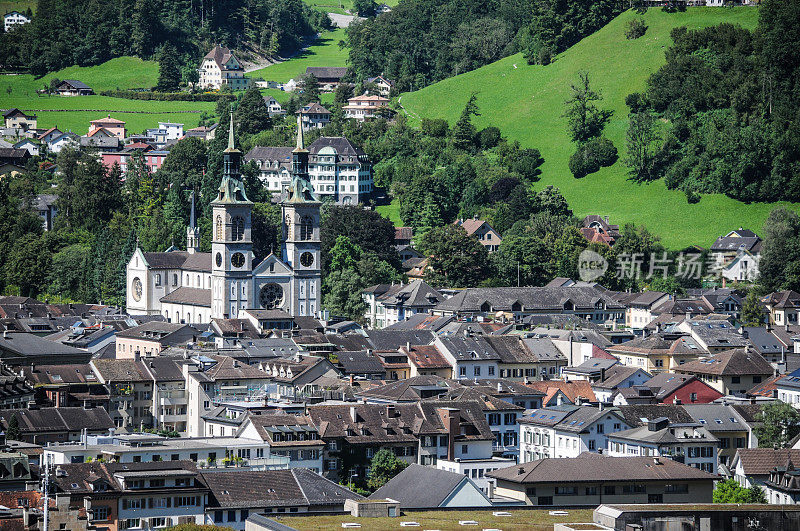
219	259
270	296
137	289
306	259
237	260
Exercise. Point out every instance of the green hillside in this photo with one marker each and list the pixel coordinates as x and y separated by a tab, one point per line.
324	52
526	102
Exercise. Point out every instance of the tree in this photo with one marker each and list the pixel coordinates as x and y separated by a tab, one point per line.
342	294
641	141
365	8
27	265
635	28
585	119
780	254
344	254
252	115
169	70
367	229
310	85
780	423
752	312
13	432
187	158
729	491
456	259
383	467
463	130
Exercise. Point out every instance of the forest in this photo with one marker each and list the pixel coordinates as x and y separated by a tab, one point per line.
722	115
89	32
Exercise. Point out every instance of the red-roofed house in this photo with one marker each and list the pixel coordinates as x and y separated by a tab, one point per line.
427	360
569	391
220	67
481	230
111	125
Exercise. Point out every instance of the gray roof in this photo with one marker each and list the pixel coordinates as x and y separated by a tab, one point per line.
360	362
597	468
327	72
716	417
280	154
668	435
193	296
637	414
22	346
405	487
734	243
592	366
98	141
49	419
543	349
262	522
530	299
394	339
469	348
716	333
763	340
616	375
666	383
342	145
76	84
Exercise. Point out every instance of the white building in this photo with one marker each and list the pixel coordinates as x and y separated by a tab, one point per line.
388	304
364	107
194	287
314	116
476	469
567	432
220	67
273	107
690	444
470	356
14	18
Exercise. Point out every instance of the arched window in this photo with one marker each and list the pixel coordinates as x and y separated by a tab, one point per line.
237	228
220	235
306	228
174	279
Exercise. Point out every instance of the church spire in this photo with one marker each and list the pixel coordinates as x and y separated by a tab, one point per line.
192	221
300	140
231	147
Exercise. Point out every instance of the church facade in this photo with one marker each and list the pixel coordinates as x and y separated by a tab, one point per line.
194	287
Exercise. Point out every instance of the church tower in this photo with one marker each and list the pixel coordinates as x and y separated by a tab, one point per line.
231	247
192	232
301	247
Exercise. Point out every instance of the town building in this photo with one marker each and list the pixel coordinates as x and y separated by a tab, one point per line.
151	338
45	206
107	126
328	77
314	116
273	107
731	372
340	170
221	67
783	307
736	255
383	85
388	304
442	489
18	120
589	479
193	287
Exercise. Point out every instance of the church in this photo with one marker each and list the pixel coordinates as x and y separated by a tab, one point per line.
194	287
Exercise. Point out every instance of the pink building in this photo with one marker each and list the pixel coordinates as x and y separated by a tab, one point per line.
111	125
153	159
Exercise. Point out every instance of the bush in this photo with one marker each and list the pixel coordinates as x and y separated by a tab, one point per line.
489	137
636	28
545	55
591	156
435	127
692	197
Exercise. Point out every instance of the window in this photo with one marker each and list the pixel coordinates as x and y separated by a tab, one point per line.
591	491
530	491
220	236
693	397
218	519
306	228
158	280
681	488
609	490
591	444
491	371
736	379
185	501
477	371
601	428
633	489
566	491
158	522
464	449
462	371
231	516
756	379
237	228
99	512
131	523
155	483
183	482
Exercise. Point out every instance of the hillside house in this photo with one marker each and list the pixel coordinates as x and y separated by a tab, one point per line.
482	231
365	107
314	116
273	107
329	77
383	85
17	119
221	67
14	18
73	87
107	126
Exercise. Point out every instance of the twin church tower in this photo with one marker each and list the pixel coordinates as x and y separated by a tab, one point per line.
193	287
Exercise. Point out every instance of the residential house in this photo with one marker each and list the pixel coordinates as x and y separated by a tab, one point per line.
656	353
442	489
592	370
426	360
274	165
339	170
597	229
388	304
712	335
329	77
731	425
731	372
567	431
752	466
672	388
273	107
591	479
73	87
32	147
14	18
471	356
314	116
236	495
616	378
23	349
292	436
736	255
134	495
639	307
45	206
783	485
788	388
482	231
362	364
19	120
130	387
527	359
365	107
67	385
383	85
221	67
62	140
783	307
300	378
578	345
13	160
107	126
691	444
557	392
151	338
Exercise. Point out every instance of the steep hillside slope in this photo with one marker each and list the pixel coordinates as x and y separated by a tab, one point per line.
527	102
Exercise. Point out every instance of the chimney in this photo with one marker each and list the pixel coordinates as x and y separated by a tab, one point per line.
353	414
390	411
351	380
559	400
451	418
408	346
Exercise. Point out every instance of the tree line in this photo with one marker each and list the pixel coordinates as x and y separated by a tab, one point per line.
87	32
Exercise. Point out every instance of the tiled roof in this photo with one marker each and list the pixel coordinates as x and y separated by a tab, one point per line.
64	419
572	390
761	461
405	487
426	357
360	362
734	362
193	296
530	299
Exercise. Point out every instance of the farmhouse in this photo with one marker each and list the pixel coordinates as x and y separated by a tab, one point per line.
329	77
73	87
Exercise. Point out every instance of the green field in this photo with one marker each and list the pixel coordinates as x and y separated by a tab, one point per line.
74	113
324	52
526	102
533	520
16	5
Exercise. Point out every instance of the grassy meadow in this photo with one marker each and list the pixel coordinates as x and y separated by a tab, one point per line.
74	113
324	52
527	102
